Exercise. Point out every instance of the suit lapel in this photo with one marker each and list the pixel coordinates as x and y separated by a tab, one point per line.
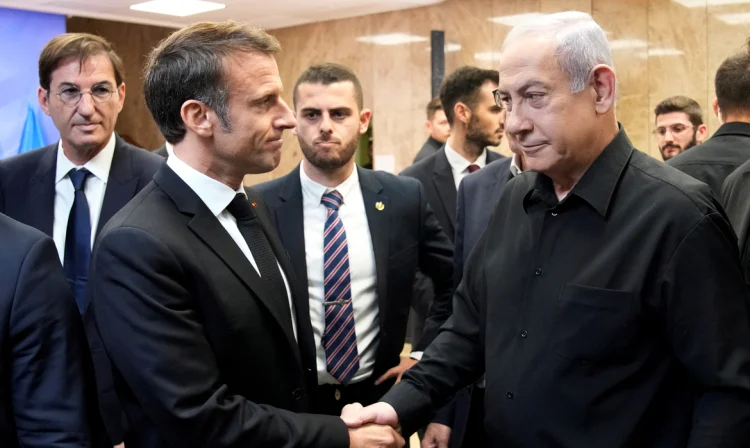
445	185
378	211
205	225
42	192
121	184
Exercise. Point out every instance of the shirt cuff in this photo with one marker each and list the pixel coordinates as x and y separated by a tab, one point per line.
416	355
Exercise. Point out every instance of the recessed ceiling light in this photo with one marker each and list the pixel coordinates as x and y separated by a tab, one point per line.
654	52
488	56
739	18
703	3
449	48
391	39
179	8
515	19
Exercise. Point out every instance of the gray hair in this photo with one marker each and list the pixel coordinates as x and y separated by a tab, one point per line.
580	43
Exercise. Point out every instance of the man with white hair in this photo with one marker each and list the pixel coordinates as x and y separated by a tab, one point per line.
605	301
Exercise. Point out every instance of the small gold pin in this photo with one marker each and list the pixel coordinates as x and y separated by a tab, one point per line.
379	206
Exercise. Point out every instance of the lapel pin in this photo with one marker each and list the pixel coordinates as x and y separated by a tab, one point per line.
255	204
379	206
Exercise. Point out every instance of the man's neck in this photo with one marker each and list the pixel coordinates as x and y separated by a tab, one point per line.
466	149
81	156
196	159
737	118
330	178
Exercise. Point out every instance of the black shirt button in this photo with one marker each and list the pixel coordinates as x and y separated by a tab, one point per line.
298	393
524	333
509	395
538	271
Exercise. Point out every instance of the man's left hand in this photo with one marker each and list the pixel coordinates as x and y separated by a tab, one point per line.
405	364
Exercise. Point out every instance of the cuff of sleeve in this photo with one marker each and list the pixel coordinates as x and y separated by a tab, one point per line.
412	406
416	355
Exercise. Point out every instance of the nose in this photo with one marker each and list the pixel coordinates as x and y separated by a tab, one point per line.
85	106
285	119
516	122
325	123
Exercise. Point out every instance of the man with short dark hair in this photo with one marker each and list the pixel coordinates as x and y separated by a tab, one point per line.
729	147
437	127
70	189
355	238
605	301
191	289
679	125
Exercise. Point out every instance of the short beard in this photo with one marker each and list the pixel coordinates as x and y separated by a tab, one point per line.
476	134
329	163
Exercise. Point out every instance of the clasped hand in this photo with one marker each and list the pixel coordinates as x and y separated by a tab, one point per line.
374	426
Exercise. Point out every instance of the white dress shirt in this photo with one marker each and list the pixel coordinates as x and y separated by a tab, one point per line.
94	189
459	165
515	167
217	197
361	270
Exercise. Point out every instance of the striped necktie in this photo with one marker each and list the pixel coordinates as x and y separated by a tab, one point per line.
339	337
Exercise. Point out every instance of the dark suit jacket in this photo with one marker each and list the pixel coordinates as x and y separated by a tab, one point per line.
477	196
430	147
405	234
712	161
202	355
45	399
735	197
27	194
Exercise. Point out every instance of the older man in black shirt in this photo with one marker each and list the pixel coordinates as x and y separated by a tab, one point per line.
606	299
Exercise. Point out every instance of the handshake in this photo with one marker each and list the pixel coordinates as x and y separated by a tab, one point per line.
373	426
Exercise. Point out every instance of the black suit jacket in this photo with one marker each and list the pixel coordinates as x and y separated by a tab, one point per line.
735	197
202	355
430	147
477	196
27	194
712	161
45	399
405	234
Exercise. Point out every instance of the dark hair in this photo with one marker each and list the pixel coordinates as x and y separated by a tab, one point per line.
462	86
78	45
190	65
327	74
683	104
433	106
732	83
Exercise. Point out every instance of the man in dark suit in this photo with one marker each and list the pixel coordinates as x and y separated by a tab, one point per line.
191	289
70	189
460	423
729	147
438	128
475	123
357	285
46	399
605	302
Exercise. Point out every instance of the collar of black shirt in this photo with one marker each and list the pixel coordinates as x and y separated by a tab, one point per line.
597	185
733	128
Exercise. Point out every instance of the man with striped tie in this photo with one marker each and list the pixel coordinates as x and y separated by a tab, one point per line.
355	238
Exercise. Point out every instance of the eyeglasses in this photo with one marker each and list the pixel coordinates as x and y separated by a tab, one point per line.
674	129
70	96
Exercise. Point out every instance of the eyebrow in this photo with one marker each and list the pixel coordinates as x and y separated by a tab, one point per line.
533	83
71	84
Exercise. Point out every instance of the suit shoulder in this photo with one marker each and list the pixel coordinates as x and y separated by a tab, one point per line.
143	160
421	168
16	237
271	187
28	161
392	180
489	173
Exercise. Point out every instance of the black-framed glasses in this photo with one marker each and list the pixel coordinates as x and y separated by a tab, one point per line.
675	129
70	96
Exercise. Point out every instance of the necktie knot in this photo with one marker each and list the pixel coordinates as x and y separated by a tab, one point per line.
78	178
333	200
240	208
473	167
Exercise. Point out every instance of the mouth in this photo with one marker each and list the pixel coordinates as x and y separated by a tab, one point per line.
87	127
326	144
275	144
528	149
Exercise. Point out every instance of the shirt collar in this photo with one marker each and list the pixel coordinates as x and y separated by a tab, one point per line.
597	186
213	193
315	190
515	169
98	166
458	163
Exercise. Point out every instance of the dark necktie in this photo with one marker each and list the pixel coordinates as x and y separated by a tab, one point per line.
78	239
339	337
473	168
259	246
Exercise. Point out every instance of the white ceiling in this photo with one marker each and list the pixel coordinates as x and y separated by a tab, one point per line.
263	13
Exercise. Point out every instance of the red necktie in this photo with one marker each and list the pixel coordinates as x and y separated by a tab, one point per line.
473	168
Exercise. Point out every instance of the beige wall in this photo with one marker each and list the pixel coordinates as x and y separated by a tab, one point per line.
396	79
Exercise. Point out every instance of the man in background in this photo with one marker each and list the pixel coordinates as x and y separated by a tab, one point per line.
70	189
729	147
679	125
437	127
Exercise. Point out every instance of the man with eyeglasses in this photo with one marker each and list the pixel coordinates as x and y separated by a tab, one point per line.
729	147
70	189
679	125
